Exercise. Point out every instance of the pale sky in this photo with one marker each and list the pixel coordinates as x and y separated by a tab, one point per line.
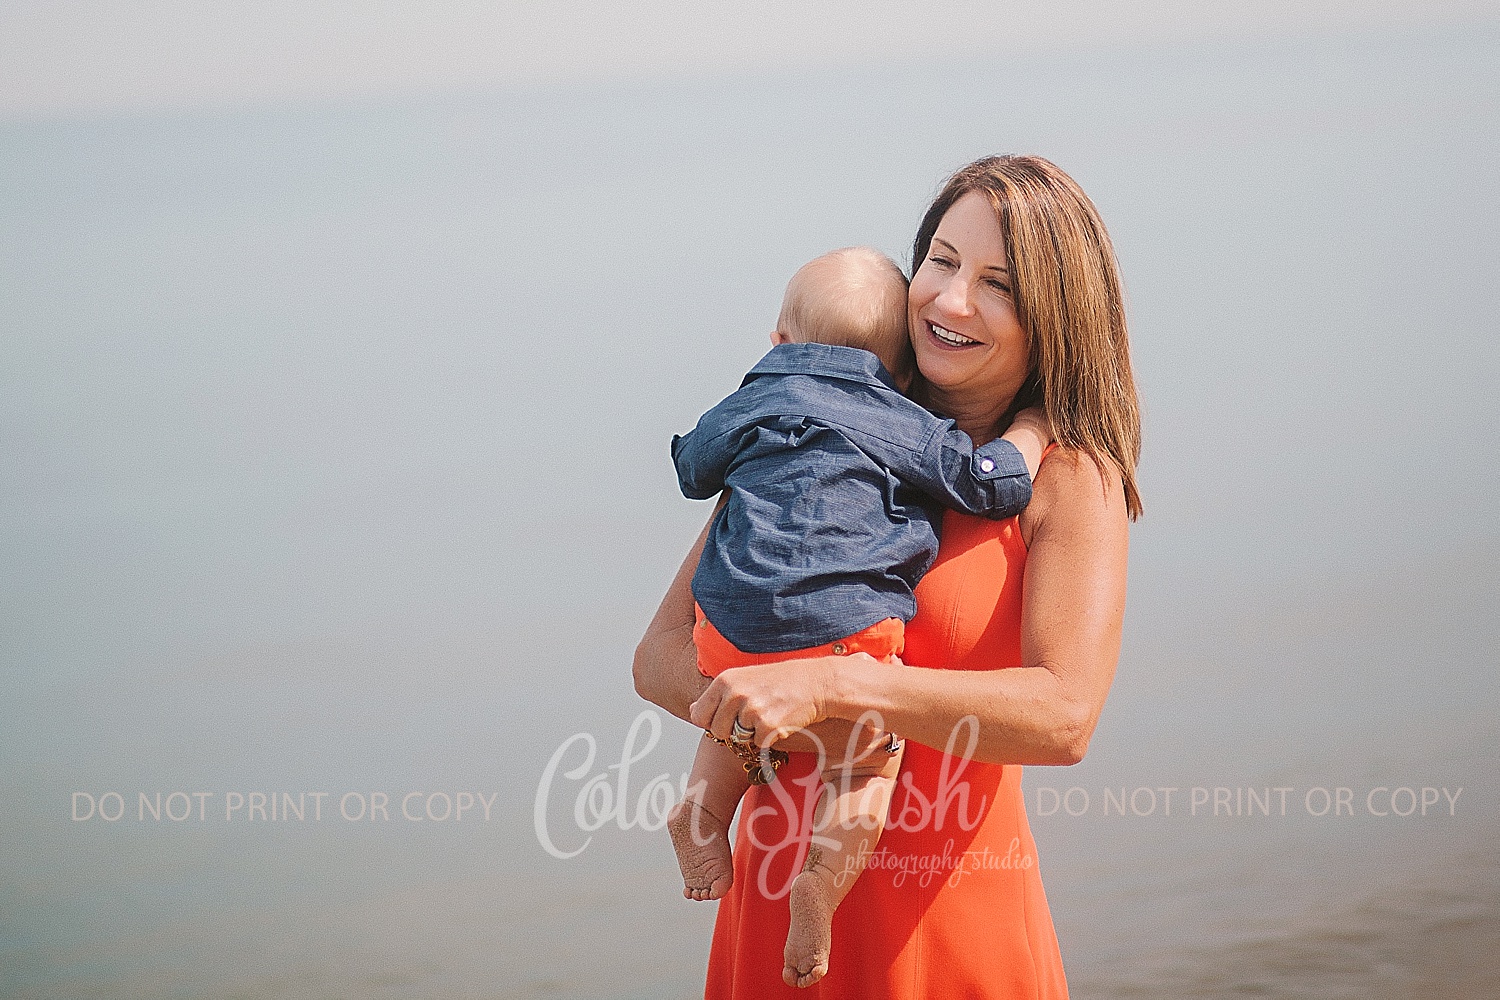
73	57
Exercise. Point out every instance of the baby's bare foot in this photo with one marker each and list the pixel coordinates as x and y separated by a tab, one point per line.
811	935
702	844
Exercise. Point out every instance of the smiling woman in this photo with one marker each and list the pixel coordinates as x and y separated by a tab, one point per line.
1014	301
963	320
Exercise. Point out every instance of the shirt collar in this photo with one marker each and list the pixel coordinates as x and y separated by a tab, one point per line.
849	363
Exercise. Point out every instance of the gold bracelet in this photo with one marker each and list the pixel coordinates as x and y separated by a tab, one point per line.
760	765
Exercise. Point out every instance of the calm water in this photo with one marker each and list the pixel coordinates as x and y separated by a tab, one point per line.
333	459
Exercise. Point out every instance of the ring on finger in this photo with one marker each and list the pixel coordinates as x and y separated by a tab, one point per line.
739	734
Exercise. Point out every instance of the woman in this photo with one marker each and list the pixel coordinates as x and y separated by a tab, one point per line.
1014	301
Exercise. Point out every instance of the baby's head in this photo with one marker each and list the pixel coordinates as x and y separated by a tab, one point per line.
855	297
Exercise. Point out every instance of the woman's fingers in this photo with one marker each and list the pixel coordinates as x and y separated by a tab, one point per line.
769	700
715	710
704	713
724	716
701	711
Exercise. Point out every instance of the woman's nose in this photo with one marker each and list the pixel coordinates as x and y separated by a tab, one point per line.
954	298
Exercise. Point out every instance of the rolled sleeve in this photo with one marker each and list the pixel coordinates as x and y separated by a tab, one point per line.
990	480
999	459
698	478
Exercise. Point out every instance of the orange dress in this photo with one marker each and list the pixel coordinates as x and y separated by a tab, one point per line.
951	903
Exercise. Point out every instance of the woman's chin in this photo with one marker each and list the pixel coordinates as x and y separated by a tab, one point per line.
943	371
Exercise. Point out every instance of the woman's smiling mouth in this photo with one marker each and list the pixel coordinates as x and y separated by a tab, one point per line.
950	338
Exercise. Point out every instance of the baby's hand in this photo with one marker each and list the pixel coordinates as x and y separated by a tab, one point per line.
1030	432
1034	418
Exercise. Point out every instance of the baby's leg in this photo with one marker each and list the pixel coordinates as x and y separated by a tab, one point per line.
699	824
850	818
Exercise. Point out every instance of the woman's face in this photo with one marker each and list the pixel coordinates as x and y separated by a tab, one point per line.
964	329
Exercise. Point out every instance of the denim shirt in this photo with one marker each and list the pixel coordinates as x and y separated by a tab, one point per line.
836	487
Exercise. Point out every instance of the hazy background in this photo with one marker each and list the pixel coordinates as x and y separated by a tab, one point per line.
340	355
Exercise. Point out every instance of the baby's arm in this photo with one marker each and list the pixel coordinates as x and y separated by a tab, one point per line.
701	463
992	480
1031	434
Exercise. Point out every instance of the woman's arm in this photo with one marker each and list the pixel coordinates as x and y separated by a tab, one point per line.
1044	712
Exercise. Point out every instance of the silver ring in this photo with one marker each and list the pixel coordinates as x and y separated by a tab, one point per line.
892	744
739	734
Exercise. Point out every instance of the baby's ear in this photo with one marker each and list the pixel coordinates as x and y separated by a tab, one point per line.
778	338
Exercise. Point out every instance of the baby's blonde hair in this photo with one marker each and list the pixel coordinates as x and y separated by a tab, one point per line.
853	297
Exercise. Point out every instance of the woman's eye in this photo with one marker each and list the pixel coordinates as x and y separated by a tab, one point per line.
1000	287
939	261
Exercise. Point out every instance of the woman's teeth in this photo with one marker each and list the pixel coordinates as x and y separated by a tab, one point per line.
949	337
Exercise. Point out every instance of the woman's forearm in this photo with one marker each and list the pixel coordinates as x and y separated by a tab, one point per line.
1022	715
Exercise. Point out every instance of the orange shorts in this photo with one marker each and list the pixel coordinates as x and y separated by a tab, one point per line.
717	654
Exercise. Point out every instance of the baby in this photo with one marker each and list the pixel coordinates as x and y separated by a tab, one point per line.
836	487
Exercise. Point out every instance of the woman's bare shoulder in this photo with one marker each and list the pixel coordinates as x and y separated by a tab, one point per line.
1074	491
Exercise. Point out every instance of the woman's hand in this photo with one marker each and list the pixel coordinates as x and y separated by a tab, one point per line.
776	700
773	700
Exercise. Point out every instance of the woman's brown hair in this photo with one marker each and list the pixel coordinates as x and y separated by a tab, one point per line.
1068	300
